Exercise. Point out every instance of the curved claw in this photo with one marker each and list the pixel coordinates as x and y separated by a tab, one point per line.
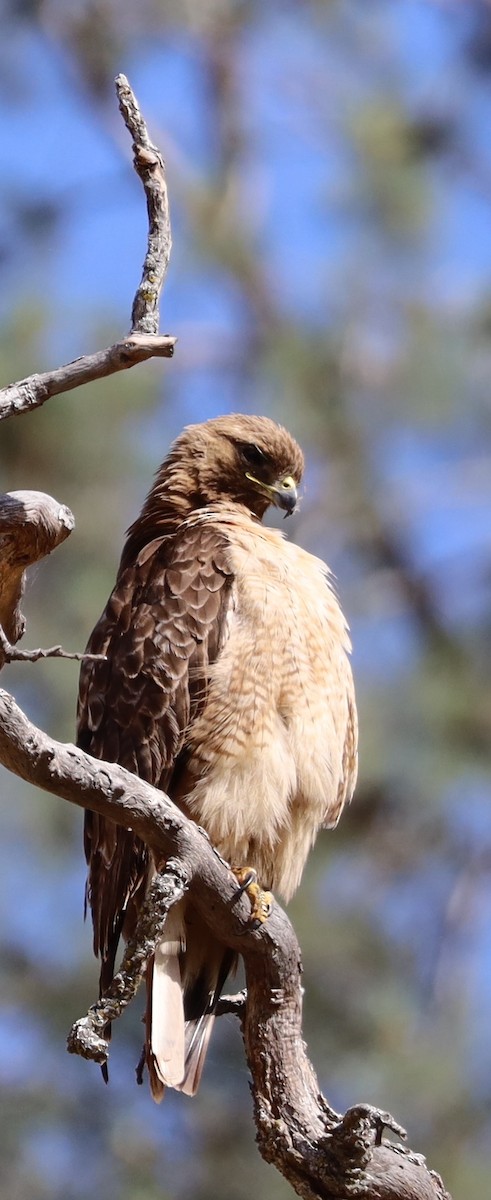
261	901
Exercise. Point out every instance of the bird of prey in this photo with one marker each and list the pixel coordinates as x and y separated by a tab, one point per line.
227	684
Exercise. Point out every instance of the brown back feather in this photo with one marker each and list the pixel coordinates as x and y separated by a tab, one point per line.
163	625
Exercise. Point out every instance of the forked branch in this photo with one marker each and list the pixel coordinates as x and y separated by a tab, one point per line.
319	1152
144	340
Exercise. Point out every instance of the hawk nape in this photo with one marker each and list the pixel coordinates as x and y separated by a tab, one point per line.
227	684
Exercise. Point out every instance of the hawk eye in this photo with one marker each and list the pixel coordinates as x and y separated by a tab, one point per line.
253	456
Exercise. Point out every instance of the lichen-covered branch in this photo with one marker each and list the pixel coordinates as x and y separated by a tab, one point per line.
322	1154
89	1035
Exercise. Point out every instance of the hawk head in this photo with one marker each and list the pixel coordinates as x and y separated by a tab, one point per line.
244	459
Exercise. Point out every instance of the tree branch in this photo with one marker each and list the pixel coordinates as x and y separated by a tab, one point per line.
9	653
88	1036
32	392
322	1154
32	524
144	341
149	166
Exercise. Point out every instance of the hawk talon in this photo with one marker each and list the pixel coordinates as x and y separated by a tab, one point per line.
246	877
261	901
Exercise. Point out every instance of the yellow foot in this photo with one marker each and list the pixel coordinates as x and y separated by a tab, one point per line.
261	901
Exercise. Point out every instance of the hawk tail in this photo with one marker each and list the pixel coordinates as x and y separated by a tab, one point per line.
182	995
165	1051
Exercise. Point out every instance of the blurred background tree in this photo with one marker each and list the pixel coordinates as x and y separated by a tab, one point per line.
329	166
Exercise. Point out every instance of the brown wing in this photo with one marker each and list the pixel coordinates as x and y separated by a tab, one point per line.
164	623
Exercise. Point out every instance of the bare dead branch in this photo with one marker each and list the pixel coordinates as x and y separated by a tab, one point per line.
9	653
144	341
88	1035
232	1005
32	524
149	166
32	392
322	1154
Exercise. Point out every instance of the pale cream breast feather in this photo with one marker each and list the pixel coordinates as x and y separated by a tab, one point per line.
274	749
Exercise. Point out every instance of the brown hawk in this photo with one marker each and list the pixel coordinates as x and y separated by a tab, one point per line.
226	684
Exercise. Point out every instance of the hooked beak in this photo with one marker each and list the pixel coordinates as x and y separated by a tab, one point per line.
283	494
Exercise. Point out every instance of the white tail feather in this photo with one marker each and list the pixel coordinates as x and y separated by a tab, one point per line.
175	1047
167	1022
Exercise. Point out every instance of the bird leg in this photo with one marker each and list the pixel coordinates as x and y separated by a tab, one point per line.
261	901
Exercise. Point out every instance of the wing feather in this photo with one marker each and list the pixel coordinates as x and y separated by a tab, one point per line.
349	760
164	623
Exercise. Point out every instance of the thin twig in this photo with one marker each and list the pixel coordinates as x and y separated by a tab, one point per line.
9	653
235	1005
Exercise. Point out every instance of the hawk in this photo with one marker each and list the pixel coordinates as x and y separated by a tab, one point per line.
227	684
